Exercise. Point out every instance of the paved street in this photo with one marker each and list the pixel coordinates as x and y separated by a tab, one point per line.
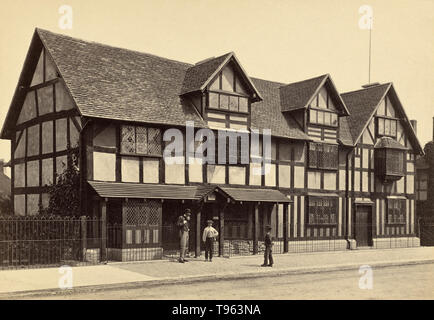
406	282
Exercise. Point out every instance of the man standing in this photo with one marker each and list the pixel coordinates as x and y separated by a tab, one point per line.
209	235
268	254
184	229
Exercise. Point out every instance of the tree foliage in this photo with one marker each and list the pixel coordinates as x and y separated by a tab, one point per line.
5	205
65	192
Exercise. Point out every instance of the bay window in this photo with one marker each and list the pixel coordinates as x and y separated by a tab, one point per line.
389	163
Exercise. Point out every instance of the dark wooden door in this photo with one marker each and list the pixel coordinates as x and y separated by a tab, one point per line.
363	226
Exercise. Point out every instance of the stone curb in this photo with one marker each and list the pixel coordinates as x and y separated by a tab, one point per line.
213	277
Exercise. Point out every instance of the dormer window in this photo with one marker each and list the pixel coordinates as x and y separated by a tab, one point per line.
322	111
228	102
322	117
386	119
386	127
227	92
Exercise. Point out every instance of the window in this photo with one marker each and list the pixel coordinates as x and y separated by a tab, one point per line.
421	186
322	210
323	156
236	223
395	161
386	127
389	163
396	211
140	140
323	117
228	102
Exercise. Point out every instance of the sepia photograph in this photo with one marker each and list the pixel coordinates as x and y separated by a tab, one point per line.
217	155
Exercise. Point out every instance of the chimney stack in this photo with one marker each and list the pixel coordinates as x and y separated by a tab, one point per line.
369	85
414	125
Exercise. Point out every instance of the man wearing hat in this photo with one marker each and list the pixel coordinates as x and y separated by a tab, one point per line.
184	229
268	254
209	235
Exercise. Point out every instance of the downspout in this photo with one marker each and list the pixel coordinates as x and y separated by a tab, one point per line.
81	166
347	192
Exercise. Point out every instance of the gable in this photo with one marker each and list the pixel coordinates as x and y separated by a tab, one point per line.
319	92
47	93
323	99
378	110
230	80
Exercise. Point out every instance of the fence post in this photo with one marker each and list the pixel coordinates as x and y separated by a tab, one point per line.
285	228
104	230
256	228
83	223
198	237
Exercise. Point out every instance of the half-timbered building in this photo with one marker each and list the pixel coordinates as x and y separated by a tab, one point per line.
341	167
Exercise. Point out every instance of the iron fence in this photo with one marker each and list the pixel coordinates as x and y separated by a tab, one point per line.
317	238
41	241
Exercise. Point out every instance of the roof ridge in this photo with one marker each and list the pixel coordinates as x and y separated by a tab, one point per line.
211	59
310	79
362	89
111	46
272	81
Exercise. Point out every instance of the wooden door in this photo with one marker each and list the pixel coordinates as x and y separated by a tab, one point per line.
363	226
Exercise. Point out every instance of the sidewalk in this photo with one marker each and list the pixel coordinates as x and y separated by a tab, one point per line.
138	274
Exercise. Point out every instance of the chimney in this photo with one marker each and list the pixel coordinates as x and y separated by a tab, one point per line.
414	125
369	85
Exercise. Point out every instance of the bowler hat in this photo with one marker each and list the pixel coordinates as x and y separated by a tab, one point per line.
187	212
209	221
268	227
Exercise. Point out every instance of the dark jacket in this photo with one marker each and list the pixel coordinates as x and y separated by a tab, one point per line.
268	241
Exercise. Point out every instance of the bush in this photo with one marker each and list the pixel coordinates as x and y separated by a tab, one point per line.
65	193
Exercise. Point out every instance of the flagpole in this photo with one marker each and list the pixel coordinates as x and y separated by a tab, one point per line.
369	67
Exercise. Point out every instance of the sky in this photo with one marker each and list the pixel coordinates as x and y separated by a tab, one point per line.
280	40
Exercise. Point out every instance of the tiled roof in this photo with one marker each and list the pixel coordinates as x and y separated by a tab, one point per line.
253	194
267	114
148	191
344	132
389	143
296	95
198	74
362	104
115	83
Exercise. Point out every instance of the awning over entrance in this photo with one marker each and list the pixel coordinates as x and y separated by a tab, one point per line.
254	195
148	191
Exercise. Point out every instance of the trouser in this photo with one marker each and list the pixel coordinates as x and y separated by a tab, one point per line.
268	255
183	244
208	247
